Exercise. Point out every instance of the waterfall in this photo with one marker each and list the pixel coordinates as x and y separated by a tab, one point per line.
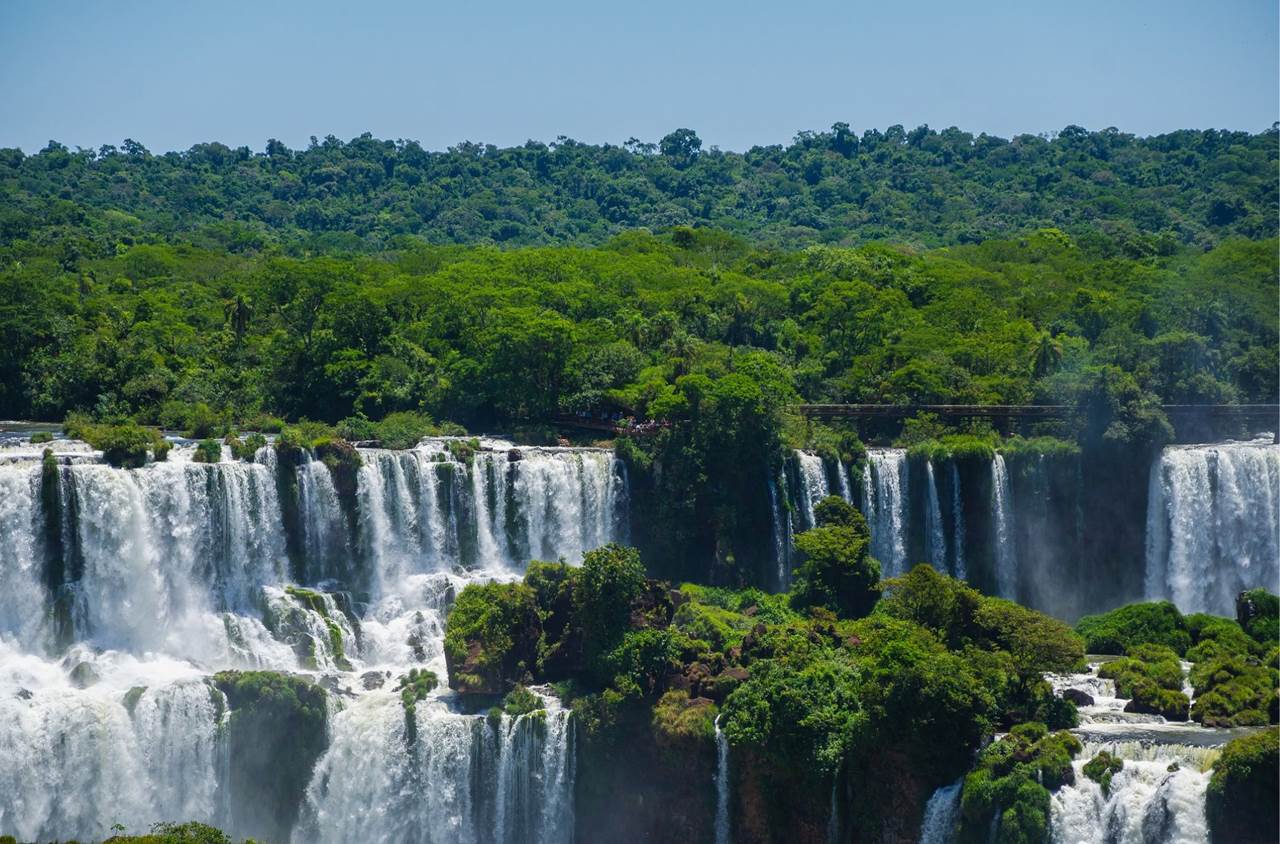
842	477
782	533
884	502
470	779
813	481
154	578
941	815
1006	563
1212	524
958	568
722	786
1157	798
933	522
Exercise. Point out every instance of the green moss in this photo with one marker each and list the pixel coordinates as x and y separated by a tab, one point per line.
41	437
1102	768
132	697
1240	803
1154	623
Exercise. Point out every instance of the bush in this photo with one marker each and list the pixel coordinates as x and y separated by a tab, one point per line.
208	451
1155	623
1235	691
1102	768
1240	803
41	437
610	579
123	445
1153	663
520	701
1216	636
677	719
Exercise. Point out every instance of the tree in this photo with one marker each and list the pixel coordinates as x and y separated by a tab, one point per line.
838	571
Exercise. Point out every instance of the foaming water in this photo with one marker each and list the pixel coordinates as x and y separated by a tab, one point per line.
941	815
1213	528
122	591
884	503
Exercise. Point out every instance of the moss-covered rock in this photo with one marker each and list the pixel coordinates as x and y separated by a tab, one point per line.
1241	801
679	720
520	701
207	451
277	731
1102	768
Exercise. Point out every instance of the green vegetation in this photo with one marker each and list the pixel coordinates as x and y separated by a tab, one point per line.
1241	801
810	693
1151	676
1156	623
1102	768
1139	196
1012	781
124	443
190	832
838	571
520	701
277	732
208	451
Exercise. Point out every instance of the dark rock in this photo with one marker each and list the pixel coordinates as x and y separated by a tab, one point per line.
514	454
25	694
1078	697
373	680
84	675
751	610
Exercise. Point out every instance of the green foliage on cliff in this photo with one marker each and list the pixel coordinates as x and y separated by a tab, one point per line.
491	638
1008	791
190	832
1241	801
277	732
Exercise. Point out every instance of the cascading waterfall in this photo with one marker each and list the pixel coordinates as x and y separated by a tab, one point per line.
1157	798
884	504
1006	562
958	568
722	786
470	779
782	531
933	522
941	815
1212	524
814	487
116	607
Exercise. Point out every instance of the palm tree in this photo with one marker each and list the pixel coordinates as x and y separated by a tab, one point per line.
1046	354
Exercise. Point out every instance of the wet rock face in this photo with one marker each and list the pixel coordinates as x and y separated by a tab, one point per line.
84	675
1078	697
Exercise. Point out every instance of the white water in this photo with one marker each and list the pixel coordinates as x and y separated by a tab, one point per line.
178	569
933	522
722	786
1002	514
884	504
813	485
958	568
782	532
1213	528
1146	803
941	815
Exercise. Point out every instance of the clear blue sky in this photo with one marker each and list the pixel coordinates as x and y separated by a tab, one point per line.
170	74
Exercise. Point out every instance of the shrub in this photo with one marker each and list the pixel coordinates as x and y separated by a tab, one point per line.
1012	780
1154	623
123	445
1240	803
677	719
41	437
1234	691
208	451
610	579
520	701
1258	612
